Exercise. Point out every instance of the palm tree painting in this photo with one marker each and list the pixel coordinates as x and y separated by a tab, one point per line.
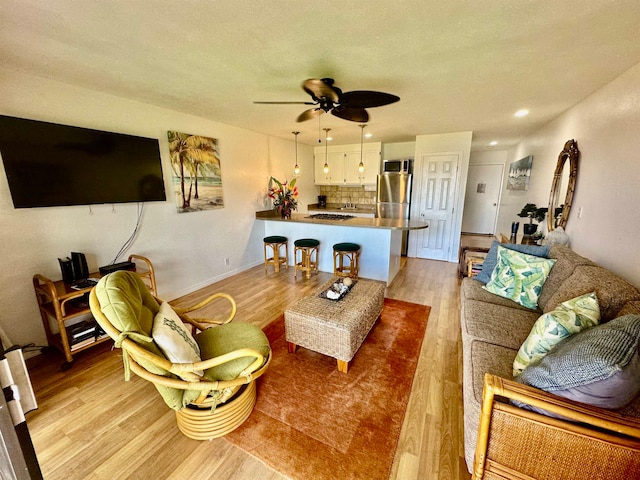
197	179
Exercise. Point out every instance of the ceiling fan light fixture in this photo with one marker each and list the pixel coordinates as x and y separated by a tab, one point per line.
296	169
325	168
361	164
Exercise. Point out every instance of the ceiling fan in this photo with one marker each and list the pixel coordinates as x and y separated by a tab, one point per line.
346	105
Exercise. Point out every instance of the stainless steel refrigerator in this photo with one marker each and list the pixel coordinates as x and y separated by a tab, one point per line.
393	197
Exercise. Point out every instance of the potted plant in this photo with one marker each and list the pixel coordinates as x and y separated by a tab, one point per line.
531	211
284	196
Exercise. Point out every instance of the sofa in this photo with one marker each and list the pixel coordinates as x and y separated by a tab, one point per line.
494	328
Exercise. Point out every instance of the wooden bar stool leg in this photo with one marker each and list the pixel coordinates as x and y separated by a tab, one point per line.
308	248
286	250
265	256
276	257
346	259
275	242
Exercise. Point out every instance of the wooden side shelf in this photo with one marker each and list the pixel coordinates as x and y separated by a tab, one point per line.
473	265
59	302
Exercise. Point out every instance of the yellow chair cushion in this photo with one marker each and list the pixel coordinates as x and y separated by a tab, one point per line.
126	302
226	338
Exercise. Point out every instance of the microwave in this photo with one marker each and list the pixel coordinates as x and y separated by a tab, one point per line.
401	165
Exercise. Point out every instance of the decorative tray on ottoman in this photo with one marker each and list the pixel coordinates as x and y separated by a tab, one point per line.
338	289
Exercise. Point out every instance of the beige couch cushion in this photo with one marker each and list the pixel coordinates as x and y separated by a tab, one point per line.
612	291
480	358
630	307
496	324
566	262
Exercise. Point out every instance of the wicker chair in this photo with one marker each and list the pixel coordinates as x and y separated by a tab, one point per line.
206	406
588	442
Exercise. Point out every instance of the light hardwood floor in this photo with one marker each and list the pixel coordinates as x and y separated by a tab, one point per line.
91	424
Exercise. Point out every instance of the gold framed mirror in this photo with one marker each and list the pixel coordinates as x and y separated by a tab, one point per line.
569	152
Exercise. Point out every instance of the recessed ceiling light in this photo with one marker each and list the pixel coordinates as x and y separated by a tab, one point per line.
329	139
522	113
368	135
493	143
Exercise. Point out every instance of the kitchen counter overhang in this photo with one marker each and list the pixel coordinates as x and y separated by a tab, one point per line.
358	222
380	239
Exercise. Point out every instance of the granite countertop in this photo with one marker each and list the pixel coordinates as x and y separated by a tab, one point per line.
360	222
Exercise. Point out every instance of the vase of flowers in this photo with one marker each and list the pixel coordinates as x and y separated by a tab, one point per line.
284	196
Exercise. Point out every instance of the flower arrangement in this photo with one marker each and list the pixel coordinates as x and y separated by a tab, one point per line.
284	196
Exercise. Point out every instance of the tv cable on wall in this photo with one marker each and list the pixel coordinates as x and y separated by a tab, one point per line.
131	240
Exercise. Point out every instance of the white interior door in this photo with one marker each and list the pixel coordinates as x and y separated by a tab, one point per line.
435	204
482	199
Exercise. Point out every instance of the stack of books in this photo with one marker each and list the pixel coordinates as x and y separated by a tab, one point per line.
84	333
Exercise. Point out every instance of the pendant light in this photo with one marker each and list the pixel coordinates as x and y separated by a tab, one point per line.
361	164
296	169
325	168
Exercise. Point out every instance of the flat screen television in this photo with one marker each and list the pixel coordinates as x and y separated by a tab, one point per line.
54	165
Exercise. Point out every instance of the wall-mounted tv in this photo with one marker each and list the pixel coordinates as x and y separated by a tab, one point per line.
54	165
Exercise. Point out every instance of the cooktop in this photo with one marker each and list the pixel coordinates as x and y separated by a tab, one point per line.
330	216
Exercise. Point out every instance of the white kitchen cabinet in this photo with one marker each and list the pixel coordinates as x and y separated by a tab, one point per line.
344	161
336	168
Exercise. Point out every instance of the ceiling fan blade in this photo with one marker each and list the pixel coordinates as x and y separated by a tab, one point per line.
320	89
309	114
353	114
367	99
285	103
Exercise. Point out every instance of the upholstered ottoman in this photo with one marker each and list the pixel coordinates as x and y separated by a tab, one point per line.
335	328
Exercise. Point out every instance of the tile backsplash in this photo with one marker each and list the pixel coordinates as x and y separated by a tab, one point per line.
342	195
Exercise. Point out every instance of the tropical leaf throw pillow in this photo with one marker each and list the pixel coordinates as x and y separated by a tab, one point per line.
519	276
552	328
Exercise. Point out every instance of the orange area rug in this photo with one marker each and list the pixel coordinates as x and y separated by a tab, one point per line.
313	422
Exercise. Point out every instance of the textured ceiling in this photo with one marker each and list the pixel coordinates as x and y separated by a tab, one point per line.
456	65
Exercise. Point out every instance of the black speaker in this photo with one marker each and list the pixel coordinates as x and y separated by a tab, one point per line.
67	269
80	268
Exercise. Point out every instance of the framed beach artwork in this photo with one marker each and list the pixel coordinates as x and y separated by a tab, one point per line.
520	174
197	177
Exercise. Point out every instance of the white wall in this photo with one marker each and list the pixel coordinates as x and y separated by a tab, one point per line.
606	126
457	142
187	249
488	157
398	150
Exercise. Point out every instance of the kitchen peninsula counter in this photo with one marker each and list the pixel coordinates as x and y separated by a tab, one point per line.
358	222
380	239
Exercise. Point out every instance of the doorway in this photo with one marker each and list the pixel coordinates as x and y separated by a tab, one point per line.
436	194
484	185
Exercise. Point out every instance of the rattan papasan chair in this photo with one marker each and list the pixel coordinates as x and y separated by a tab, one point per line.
213	393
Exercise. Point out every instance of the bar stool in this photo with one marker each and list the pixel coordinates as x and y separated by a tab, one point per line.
308	247
275	242
349	252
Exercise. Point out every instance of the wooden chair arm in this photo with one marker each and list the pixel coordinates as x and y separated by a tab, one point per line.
195	382
152	274
204	323
578	419
570	409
